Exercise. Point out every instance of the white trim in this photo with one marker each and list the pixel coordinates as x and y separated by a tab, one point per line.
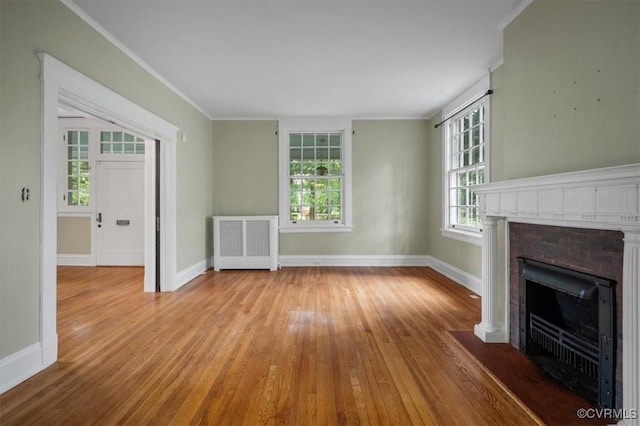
19	366
113	40
314	228
607	198
514	14
465	279
353	260
186	275
76	260
460	102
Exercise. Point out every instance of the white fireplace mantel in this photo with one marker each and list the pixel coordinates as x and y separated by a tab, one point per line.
607	198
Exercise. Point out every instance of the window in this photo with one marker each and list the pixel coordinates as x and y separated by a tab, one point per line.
118	142
77	169
315	175
466	136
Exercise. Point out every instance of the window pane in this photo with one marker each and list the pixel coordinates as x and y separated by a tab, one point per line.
335	213
117	148
84	138
322	139
336	167
465	137
72	137
308	154
335	139
117	136
72	153
462	179
105	148
295	154
480	175
475	117
140	148
472	177
462	196
295	168
308	139
476	135
84	152
322	169
475	155
335	183
105	136
128	148
334	198
128	137
295	139
309	168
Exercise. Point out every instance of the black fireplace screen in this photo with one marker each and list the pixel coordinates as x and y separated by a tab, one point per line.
567	328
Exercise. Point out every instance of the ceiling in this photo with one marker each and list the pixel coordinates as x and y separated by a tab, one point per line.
276	58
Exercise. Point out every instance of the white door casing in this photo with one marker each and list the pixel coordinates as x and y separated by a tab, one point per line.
120	213
61	83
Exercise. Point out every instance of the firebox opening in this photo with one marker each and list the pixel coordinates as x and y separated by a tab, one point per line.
566	328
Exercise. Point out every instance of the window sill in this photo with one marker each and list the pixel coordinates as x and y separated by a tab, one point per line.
466	236
314	228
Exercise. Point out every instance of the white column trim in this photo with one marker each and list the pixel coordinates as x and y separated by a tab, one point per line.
492	328
631	325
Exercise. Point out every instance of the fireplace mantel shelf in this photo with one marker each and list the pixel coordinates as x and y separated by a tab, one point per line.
607	198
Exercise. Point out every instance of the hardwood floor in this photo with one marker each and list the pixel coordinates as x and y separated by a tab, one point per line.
298	346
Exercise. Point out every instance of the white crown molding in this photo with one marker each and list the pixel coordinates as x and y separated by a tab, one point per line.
514	14
113	40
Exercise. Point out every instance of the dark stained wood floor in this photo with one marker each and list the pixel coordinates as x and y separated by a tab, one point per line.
298	346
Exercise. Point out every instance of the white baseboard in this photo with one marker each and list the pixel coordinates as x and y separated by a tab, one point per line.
353	260
463	278
190	273
19	366
76	260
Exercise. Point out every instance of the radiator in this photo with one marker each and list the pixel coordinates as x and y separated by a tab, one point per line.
245	242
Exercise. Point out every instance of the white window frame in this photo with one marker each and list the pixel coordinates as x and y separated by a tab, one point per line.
84	125
286	126
461	104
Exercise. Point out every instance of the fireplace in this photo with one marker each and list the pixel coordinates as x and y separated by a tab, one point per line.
600	200
567	327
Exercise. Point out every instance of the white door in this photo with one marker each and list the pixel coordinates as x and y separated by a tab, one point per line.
120	213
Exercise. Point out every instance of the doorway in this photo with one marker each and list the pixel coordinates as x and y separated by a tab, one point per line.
62	84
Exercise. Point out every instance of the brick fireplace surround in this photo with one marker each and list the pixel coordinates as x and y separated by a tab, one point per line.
598	208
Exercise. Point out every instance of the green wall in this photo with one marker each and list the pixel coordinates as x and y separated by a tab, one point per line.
28	27
389	198
570	89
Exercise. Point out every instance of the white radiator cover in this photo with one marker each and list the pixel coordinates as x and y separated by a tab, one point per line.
245	242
